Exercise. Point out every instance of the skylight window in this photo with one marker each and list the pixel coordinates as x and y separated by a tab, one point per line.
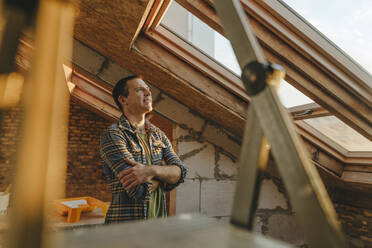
194	31
339	132
346	23
291	97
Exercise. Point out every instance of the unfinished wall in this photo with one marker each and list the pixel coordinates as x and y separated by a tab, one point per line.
210	153
10	123
84	170
357	224
354	208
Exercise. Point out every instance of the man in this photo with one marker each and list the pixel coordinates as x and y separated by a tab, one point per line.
132	151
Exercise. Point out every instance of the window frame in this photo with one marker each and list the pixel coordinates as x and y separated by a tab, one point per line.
203	9
335	75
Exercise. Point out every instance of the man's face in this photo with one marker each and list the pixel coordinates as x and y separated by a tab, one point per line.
139	99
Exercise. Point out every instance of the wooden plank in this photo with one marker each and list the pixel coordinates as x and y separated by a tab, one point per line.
86	83
126	16
355	159
358	168
200	61
42	153
357	177
162	10
182	231
204	11
142	21
206	82
156	7
111	25
360	154
308	194
171	202
188	85
250	167
95	104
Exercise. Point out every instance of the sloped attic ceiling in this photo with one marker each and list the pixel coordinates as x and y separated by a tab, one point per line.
113	29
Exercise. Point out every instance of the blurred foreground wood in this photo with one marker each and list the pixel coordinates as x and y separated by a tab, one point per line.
186	230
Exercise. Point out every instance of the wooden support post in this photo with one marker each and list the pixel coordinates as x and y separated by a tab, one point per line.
42	151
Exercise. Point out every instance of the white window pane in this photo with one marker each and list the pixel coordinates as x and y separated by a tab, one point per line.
292	97
191	29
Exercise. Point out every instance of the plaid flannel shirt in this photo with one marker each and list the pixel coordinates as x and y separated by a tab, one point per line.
120	141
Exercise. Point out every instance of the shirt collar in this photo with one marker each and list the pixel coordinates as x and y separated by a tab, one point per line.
125	124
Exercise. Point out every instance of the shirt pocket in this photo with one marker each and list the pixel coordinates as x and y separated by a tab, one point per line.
135	150
157	152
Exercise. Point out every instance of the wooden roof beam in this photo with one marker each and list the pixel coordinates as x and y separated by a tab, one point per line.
110	28
343	171
313	64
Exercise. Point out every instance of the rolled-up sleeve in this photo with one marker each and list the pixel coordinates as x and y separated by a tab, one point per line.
171	158
113	150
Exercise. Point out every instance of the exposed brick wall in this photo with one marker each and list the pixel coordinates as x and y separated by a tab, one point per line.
10	121
357	224
84	171
354	209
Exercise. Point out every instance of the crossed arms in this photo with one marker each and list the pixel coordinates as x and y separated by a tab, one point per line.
134	176
140	173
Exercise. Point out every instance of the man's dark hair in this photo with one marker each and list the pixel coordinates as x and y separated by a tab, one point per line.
121	89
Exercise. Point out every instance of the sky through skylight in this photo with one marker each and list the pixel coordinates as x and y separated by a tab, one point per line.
346	23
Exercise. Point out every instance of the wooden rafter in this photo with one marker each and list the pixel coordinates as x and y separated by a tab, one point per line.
110	30
313	64
159	66
329	159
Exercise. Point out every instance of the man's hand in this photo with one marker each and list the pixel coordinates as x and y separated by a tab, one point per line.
155	185
136	175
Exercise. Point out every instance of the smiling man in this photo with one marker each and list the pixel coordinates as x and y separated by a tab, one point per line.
133	151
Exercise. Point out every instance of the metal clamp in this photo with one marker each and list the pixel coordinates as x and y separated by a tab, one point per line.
256	75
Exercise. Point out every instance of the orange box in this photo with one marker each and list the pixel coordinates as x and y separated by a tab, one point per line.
73	207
